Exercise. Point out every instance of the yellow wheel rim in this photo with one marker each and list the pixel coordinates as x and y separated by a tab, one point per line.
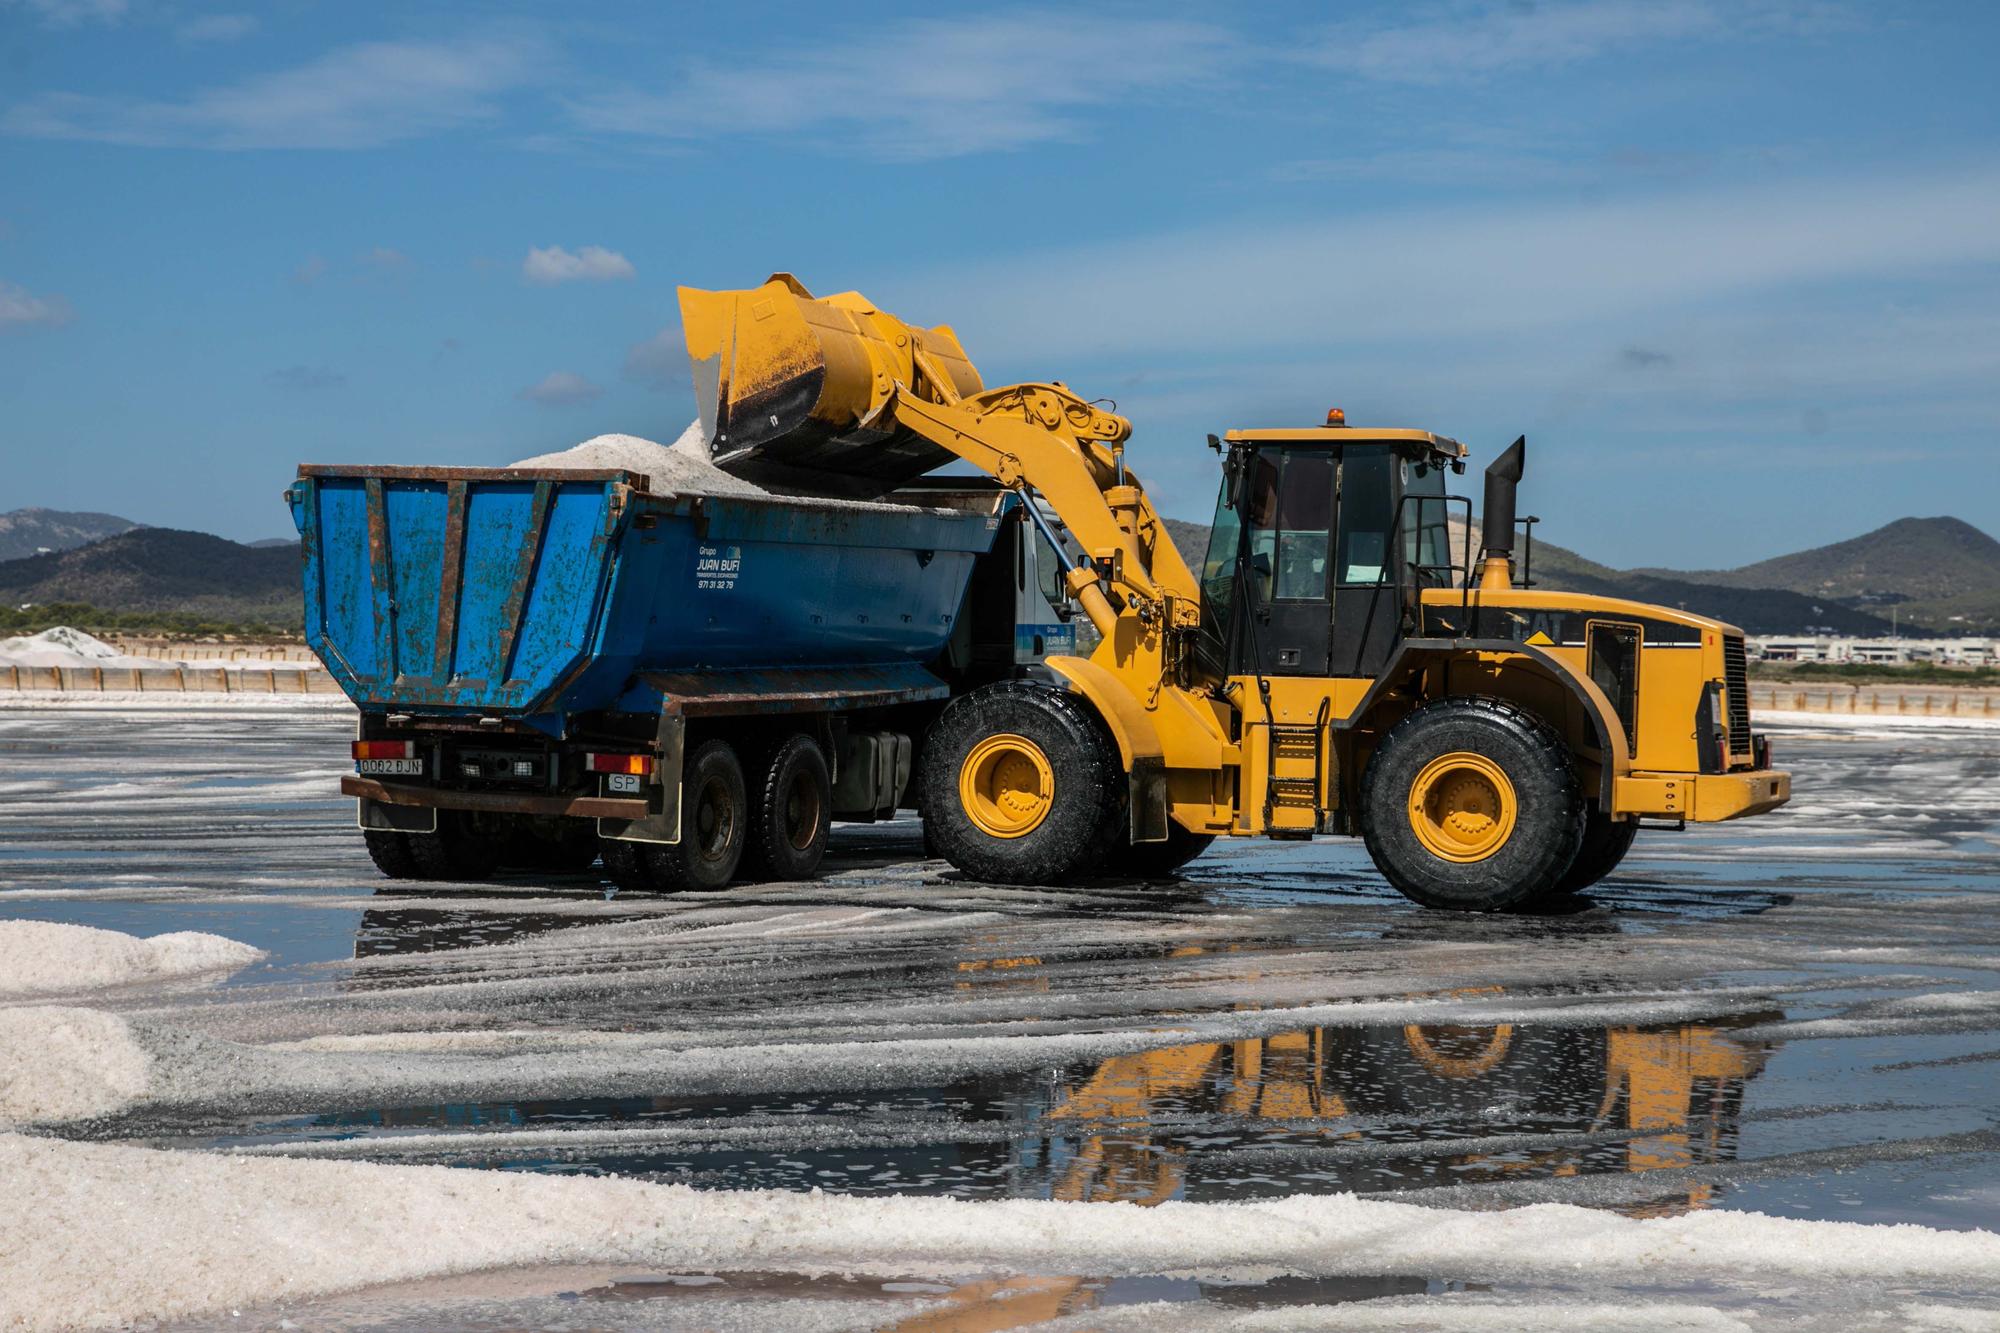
1006	786
1462	807
1447	1065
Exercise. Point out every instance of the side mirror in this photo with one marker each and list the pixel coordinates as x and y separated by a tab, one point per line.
1232	478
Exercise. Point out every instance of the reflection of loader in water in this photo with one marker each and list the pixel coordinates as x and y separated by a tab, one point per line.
1639	1100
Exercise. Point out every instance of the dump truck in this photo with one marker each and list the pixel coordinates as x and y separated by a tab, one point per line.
1329	669
555	666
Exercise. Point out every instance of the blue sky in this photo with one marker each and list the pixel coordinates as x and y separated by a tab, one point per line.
1731	265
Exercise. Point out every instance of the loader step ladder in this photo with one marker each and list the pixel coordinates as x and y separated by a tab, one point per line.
1292	744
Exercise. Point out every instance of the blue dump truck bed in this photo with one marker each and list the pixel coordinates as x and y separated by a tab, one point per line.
535	595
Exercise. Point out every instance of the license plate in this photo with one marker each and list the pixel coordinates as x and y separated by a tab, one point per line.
413	768
623	781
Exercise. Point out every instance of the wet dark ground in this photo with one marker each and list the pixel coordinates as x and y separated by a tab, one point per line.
1795	1015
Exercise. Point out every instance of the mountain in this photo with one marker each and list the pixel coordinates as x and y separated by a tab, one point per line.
1912	559
163	569
25	532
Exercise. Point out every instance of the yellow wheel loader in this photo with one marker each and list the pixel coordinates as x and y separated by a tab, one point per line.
1329	668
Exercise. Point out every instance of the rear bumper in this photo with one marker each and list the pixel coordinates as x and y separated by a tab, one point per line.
1703	798
577	807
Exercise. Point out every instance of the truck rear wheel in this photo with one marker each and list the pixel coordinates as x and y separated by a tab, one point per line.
1605	842
391	853
715	822
1472	804
791	813
459	850
1021	785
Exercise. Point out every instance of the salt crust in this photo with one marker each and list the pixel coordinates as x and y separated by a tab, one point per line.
93	1235
681	468
66	1064
54	958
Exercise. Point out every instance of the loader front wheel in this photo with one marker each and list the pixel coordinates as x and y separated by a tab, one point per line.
789	819
1472	804
1021	785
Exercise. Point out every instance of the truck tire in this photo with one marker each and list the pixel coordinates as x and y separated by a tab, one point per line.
1605	842
558	846
791	813
715	823
1021	785
1157	860
459	850
1472	804
391	853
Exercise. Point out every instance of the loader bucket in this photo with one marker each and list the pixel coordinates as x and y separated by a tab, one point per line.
790	388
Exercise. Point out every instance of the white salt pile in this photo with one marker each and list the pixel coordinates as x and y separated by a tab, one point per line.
54	958
681	468
99	1234
67	1064
66	647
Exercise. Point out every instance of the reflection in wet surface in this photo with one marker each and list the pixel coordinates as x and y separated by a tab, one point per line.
1794	1015
1367	1110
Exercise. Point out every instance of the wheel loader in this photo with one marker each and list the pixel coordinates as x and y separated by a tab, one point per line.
1329	667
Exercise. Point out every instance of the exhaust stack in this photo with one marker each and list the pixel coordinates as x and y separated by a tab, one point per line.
1497	523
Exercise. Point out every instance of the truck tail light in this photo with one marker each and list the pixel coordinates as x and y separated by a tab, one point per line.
642	764
385	749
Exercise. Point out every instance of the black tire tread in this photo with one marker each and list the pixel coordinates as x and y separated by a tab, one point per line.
1605	843
1090	797
767	852
1554	846
391	853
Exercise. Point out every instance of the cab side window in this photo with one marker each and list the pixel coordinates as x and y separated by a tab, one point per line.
1305	522
1367	515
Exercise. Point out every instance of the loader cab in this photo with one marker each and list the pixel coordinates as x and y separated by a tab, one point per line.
1321	542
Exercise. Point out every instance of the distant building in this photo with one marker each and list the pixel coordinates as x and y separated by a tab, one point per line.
1885	651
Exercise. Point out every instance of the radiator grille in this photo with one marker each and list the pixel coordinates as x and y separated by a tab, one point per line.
1736	678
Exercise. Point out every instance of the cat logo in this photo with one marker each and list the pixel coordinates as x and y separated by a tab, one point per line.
1540	639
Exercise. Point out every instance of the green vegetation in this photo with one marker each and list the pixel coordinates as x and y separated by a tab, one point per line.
1874	673
168	624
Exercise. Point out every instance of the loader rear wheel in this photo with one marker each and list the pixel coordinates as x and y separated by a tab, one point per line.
391	853
1021	785
715	822
1158	860
1472	804
1605	842
460	849
789	821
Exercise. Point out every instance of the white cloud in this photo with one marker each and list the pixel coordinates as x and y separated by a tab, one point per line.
1459	273
660	362
305	378
560	388
217	28
22	309
359	96
930	88
1440	44
593	263
73	13
385	260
